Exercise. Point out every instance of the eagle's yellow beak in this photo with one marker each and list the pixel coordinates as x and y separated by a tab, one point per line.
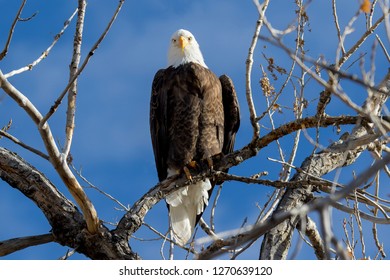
183	42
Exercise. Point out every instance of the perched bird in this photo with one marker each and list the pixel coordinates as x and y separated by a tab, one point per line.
193	116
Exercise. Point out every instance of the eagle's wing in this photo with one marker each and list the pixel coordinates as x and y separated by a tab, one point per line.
232	113
158	124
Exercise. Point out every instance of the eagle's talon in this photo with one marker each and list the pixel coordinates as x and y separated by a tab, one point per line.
210	163
187	173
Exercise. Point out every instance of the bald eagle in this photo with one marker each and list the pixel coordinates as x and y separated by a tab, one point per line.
194	115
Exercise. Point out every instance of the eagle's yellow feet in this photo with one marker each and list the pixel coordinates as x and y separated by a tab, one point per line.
191	165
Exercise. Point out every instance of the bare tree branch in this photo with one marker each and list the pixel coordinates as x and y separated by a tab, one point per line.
16	244
22	144
73	67
249	64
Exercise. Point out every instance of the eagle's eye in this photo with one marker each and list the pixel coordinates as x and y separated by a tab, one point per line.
173	40
189	38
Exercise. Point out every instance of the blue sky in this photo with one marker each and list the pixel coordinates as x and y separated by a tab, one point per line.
112	143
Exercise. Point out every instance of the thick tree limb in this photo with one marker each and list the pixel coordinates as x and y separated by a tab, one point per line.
68	225
59	211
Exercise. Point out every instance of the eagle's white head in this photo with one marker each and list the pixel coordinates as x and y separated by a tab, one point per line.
183	49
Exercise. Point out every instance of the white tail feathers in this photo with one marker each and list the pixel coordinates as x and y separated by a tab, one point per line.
184	205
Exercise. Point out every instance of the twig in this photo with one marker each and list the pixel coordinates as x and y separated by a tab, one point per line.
124	207
11	31
162	248
28	18
171	244
208	230
319	180
385	9
365	216
347	30
68	254
270	116
383	47
377	198
350	242
336	21
20	143
275	199
374	228
371	14
212	215
360	226
272	183
164	236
